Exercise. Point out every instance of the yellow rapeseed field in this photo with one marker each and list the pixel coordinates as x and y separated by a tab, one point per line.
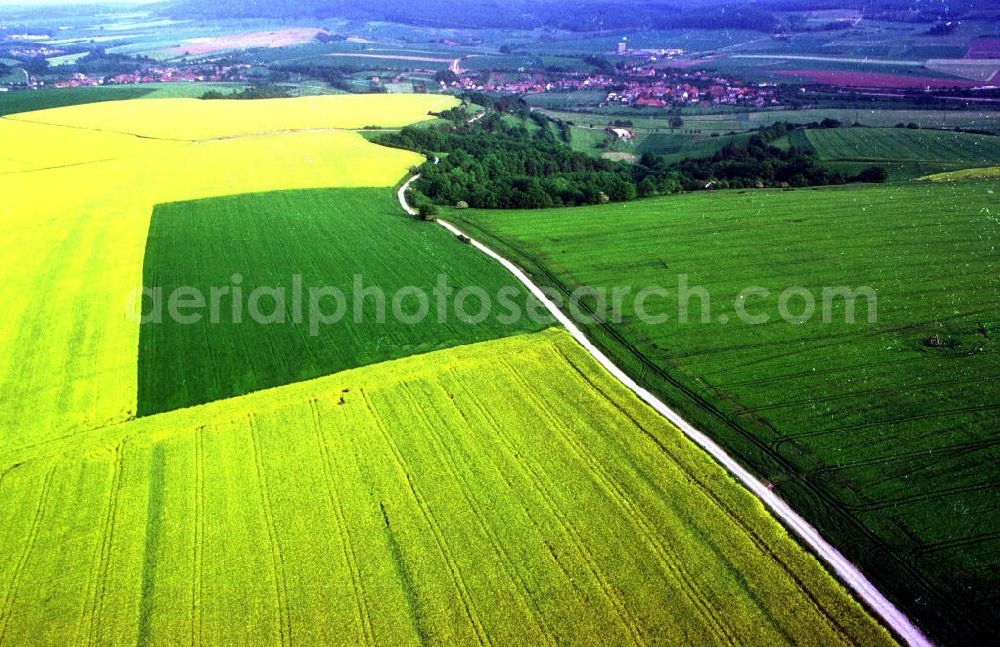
510	492
190	119
74	236
27	146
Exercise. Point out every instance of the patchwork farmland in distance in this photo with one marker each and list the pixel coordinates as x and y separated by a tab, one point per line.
509	492
325	238
880	434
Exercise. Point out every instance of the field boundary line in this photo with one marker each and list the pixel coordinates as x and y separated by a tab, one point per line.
848	573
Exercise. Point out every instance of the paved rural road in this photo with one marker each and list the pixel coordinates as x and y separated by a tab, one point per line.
847	571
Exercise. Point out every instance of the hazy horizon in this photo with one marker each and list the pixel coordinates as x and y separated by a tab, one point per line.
29	3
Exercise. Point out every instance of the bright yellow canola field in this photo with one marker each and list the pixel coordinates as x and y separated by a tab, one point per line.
26	146
510	492
190	119
74	237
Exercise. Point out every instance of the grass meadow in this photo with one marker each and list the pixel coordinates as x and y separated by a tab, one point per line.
883	434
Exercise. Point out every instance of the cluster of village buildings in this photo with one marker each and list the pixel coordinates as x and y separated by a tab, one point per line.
642	87
649	78
160	74
672	91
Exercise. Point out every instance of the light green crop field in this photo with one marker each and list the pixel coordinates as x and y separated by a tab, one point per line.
967	174
882	433
350	240
905	152
733	121
508	492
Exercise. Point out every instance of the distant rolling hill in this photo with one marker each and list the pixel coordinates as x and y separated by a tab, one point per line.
575	15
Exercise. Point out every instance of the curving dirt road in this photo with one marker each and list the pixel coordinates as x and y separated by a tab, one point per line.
848	573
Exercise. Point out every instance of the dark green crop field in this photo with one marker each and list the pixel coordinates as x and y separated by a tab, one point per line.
883	433
315	239
17	101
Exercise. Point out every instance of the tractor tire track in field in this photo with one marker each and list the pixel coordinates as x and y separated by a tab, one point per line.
98	581
405	578
198	544
7	603
825	372
98	130
277	558
949	451
778	442
568	530
669	562
470	610
346	540
850	395
508	563
154	530
847	571
955	543
982	488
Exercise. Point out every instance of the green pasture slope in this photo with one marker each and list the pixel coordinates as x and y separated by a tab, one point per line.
888	444
904	152
325	237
